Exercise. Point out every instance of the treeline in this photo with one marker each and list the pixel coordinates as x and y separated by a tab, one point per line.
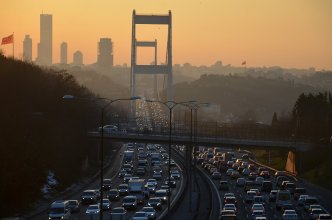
39	131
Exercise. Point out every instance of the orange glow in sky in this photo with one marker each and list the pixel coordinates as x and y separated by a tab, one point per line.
292	33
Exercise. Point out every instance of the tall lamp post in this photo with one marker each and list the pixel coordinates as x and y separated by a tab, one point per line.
170	105
192	106
108	102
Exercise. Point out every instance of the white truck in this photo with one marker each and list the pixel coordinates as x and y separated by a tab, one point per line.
137	188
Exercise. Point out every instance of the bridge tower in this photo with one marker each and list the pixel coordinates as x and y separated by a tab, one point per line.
153	69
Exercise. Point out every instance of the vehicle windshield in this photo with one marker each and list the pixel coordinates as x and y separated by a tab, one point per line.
129	200
88	193
117	211
148	209
107	181
154	200
139	214
113	192
123	187
93	207
160	194
57	210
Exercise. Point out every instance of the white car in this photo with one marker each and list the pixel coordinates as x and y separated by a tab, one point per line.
152	181
109	129
229	172
240	181
140	216
93	209
230	207
257	206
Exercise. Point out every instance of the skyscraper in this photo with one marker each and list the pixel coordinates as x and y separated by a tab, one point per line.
27	48
78	58
45	45
63	53
105	53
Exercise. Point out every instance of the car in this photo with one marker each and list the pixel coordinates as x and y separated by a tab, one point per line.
127	177
93	209
289	215
157	175
252	176
248	185
228	195
105	204
230	207
166	187
257	206
280	179
89	197
151	188
280	173
155	202
152	181
267	186
140	216
235	175
258	193
230	200
229	171
315	213
172	182
245	172
314	206
113	194
118	213
273	195
298	192
175	174
107	184
258	199
287	206
150	211
265	174
223	185
216	175
59	210
240	181
74	206
250	196
302	199
310	201
129	202
123	189
259	181
162	194
122	173
140	171
226	212
324	216
108	129
290	187
257	213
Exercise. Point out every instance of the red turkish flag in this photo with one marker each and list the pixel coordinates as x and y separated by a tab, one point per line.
8	40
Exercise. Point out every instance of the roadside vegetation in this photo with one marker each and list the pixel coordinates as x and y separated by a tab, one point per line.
39	132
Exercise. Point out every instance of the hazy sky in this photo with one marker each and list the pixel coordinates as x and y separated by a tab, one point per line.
288	33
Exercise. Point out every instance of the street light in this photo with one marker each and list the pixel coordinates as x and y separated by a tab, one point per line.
109	101
192	106
170	105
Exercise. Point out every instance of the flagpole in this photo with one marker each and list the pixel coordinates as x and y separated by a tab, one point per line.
13	45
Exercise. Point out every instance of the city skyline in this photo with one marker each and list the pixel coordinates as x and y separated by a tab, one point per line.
288	34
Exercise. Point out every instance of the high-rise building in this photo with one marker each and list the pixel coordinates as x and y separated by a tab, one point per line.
63	53
27	48
78	58
105	53
45	45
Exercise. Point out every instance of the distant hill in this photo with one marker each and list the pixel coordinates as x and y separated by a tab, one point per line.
243	96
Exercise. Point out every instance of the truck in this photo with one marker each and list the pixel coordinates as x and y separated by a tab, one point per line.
128	156
137	188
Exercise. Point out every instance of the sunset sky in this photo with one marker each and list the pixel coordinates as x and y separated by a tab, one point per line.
287	33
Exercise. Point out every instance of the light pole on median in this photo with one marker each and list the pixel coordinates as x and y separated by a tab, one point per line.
108	102
170	105
192	106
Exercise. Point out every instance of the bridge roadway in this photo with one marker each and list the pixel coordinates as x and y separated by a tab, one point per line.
205	141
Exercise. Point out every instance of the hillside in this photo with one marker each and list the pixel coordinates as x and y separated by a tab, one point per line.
243	96
39	132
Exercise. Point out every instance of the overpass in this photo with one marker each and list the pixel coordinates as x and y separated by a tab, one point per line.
183	139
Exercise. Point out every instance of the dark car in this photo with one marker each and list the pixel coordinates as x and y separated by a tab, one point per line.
107	184
267	186
74	206
172	182
155	202
113	194
223	185
298	192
